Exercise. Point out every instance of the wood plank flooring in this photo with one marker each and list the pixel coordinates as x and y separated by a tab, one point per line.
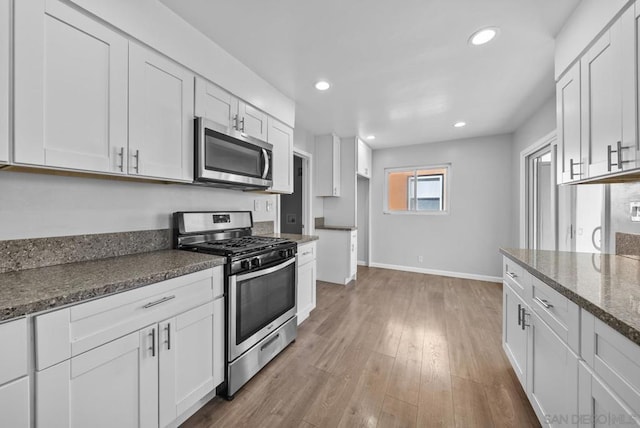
392	349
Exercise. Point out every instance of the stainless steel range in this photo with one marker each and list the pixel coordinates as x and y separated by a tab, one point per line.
260	288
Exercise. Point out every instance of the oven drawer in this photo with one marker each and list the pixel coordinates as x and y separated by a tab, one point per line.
71	331
306	253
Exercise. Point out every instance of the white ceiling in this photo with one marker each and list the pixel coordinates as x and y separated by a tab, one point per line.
401	70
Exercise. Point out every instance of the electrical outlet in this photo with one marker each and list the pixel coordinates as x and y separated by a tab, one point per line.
269	206
257	205
634	207
420	259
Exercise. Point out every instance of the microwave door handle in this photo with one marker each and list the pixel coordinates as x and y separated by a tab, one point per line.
265	154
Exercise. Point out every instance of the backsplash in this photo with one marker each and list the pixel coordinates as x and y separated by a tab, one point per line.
628	244
263	228
20	254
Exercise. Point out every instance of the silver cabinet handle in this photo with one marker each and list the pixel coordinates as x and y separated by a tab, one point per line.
306	252
136	156
511	275
121	156
572	164
153	342
159	301
519	314
543	302
242	122
524	323
168	329
617	151
335	191
235	123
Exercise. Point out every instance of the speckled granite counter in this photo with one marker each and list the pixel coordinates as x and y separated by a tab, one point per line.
606	285
299	239
34	290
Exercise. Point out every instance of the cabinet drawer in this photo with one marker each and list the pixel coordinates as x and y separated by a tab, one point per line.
74	330
306	253
560	313
613	357
516	277
13	357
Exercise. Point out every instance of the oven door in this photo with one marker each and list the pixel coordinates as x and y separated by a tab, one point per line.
260	302
231	157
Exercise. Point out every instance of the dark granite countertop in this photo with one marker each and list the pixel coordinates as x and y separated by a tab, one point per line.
328	227
606	285
33	290
299	239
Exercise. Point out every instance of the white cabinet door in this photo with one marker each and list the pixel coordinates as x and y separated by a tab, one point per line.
70	89
364	159
14	404
599	406
353	255
608	100
113	385
514	337
570	165
327	165
552	375
281	136
219	358
306	296
5	20
160	116
215	104
252	121
186	367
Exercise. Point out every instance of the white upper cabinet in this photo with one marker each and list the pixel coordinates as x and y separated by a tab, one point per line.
281	136
70	89
251	121
160	116
327	165
364	159
5	19
608	99
215	104
569	129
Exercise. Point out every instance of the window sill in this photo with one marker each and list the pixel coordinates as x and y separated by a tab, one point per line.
438	213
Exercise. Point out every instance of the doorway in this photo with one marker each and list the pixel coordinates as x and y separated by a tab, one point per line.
295	208
362	220
540	196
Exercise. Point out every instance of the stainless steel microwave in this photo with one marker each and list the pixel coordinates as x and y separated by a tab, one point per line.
228	158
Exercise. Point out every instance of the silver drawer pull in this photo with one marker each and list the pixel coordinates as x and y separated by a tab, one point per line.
543	302
511	275
157	302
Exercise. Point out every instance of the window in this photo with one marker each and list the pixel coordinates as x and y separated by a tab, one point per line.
422	190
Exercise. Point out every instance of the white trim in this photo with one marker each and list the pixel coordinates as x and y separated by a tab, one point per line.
462	275
546	140
307	190
362	263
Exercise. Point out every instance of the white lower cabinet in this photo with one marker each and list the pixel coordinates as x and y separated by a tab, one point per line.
306	292
149	377
14	379
514	336
337	255
552	375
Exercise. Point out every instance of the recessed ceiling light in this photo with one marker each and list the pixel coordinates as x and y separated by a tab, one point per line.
322	85
460	124
371	137
483	36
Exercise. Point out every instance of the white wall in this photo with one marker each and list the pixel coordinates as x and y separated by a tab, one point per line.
305	141
541	123
37	205
465	241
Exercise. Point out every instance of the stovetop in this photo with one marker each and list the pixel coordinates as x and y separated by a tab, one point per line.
241	245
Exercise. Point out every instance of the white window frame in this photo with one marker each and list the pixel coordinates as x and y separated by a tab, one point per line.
447	189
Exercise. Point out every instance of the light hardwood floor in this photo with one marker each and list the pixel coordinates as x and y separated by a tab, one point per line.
392	349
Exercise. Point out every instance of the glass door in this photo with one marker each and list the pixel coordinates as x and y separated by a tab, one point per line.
541	183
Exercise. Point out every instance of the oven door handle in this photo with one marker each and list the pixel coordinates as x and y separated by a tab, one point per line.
262	272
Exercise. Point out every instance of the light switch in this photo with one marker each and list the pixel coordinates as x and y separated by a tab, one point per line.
257	205
635	211
269	206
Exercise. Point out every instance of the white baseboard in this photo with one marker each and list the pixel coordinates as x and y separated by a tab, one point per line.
438	272
362	263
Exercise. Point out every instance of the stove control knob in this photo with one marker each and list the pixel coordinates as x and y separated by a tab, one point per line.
292	252
283	254
255	262
245	264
